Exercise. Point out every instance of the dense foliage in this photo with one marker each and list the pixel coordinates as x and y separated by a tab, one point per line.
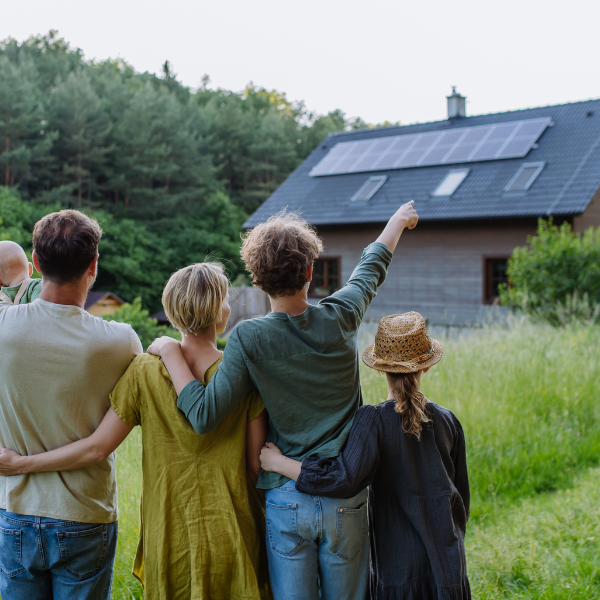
134	259
171	172
102	135
556	277
146	327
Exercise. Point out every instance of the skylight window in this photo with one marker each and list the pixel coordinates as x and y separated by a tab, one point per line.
451	182
367	191
523	179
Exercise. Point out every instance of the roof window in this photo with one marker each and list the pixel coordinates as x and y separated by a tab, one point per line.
367	191
451	182
523	179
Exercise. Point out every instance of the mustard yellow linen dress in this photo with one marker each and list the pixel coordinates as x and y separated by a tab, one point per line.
202	526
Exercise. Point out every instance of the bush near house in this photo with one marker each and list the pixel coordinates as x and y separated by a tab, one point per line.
556	277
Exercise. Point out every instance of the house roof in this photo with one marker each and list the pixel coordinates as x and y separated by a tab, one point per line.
161	317
95	297
571	176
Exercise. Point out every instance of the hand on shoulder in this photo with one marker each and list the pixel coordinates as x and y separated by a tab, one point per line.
162	345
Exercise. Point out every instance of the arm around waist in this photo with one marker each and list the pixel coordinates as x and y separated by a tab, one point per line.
353	470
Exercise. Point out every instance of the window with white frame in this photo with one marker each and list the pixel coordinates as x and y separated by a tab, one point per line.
369	188
451	182
523	179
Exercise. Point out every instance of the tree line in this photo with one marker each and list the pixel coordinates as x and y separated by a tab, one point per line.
173	172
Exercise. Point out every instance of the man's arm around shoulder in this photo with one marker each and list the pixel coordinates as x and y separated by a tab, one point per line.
205	407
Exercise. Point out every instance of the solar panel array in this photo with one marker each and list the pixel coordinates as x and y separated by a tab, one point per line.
451	146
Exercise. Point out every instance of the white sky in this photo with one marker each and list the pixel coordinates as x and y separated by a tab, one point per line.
378	59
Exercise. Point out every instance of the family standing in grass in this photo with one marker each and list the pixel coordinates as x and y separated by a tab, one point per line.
352	501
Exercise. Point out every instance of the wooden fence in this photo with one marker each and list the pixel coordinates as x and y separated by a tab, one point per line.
246	303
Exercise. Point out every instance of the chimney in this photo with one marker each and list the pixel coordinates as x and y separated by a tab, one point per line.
456	105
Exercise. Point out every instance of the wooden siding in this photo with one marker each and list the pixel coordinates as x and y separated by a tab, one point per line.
437	268
246	303
590	217
105	306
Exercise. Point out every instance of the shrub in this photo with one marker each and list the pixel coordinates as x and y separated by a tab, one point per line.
556	277
147	328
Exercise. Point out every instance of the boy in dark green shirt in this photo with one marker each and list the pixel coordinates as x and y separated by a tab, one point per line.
303	360
16	286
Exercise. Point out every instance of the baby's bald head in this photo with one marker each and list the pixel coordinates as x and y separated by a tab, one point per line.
14	266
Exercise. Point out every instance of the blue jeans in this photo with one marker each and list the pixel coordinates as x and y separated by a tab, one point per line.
44	559
317	547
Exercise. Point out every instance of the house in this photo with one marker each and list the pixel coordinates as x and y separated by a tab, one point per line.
479	184
102	303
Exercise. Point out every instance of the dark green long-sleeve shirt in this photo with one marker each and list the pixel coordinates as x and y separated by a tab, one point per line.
306	369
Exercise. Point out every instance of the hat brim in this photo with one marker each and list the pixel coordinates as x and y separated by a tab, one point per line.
369	360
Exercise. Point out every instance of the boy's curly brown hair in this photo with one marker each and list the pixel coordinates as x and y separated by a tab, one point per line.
278	252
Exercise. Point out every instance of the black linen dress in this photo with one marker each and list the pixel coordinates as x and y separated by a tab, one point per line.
419	500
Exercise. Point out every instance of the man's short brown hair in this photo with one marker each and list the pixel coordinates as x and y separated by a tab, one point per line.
279	252
65	243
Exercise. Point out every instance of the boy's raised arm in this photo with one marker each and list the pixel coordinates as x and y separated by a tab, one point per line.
358	293
205	407
406	217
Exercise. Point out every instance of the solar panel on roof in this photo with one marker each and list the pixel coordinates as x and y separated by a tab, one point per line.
464	144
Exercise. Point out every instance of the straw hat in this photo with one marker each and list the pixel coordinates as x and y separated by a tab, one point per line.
402	345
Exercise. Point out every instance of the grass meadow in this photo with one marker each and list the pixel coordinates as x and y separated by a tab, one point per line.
527	396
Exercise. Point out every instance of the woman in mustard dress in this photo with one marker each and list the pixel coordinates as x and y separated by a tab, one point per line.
202	525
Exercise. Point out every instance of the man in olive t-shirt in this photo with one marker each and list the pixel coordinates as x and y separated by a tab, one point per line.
58	367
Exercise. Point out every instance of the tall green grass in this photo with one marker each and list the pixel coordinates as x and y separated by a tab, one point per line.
542	547
129	481
527	397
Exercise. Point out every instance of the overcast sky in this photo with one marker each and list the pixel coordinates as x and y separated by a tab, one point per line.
377	59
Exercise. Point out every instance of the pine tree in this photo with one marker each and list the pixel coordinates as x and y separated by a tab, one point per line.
24	139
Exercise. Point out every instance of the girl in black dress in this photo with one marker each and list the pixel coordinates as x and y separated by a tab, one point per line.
411	452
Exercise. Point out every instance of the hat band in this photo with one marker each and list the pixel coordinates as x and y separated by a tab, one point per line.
411	364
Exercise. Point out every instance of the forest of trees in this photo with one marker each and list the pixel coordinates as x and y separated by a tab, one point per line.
171	172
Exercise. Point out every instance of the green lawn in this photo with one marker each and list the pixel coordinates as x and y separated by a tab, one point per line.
528	400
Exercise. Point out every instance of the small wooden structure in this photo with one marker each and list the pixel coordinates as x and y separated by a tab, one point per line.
102	303
246	303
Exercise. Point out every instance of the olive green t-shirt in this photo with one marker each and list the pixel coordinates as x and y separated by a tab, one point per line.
34	289
305	367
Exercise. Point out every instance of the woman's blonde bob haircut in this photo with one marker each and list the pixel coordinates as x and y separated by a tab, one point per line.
193	297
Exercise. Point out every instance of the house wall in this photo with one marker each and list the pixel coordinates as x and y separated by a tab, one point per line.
107	306
437	268
591	216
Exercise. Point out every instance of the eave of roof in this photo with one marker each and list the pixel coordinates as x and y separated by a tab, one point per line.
96	296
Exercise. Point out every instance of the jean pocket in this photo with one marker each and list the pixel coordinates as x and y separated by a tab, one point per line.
282	528
83	552
11	552
350	532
